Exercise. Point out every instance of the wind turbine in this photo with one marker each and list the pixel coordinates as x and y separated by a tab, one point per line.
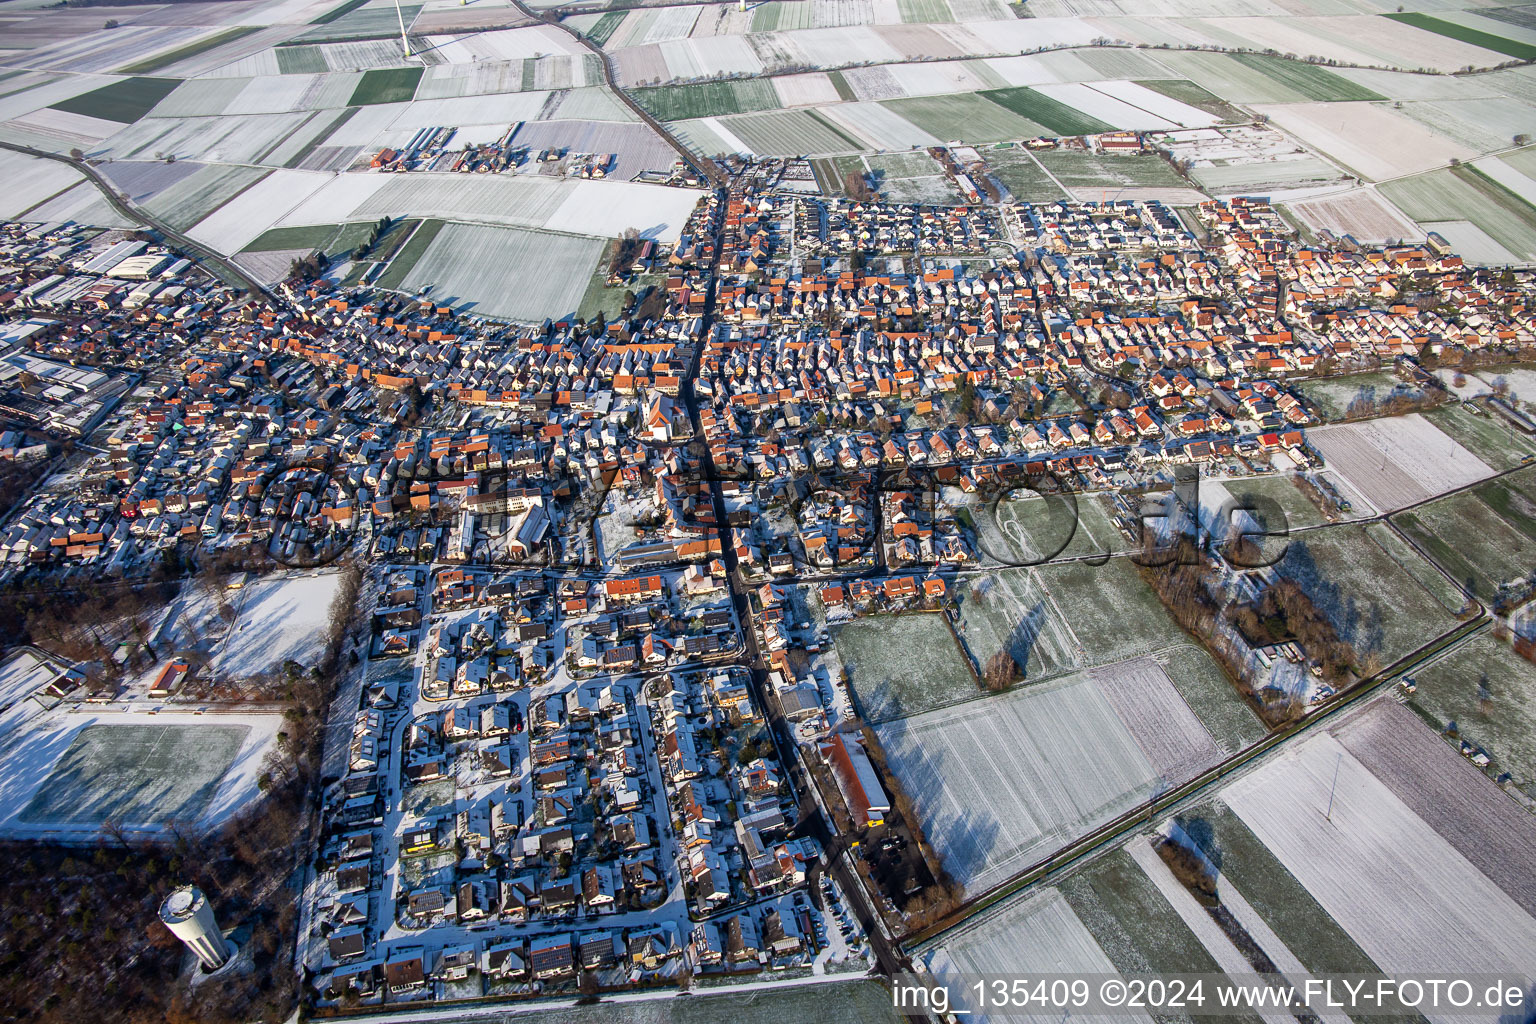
405	41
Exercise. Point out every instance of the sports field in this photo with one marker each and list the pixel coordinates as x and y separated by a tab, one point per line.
138	774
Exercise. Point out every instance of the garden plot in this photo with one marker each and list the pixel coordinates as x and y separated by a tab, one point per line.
903	664
1362	213
608	208
1397	461
278	620
70	773
1335	397
30	181
1374	141
1373	597
506	272
255	209
1347	841
1449	793
1000	783
191	199
878	127
1007	611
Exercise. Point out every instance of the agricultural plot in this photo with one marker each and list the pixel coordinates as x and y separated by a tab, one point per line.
1131	920
789	133
1487	40
997	783
1058	118
189	200
386	85
1483	124
807	90
904	664
245	139
1204	686
378	21
1024	177
1091	172
860	999
1183	91
1397	461
82	204
517	201
877	127
708	99
1296	510
1336	397
866	84
406	255
1445	194
1432	910
967	118
1284	904
1361	213
1371	597
1114	614
1376	142
1308	80
1039	933
31	181
1472	542
124	101
201	98
506	272
442	81
139	775
1449	793
1007	611
278	620
1249	176
608	208
1031	529
1488	692
165	59
255	209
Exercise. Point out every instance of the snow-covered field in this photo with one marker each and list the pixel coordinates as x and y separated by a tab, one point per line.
1397	461
1002	781
1038	934
235	224
30	181
279	620
66	773
1408	898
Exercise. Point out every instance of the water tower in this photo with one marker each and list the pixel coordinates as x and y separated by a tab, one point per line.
187	913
